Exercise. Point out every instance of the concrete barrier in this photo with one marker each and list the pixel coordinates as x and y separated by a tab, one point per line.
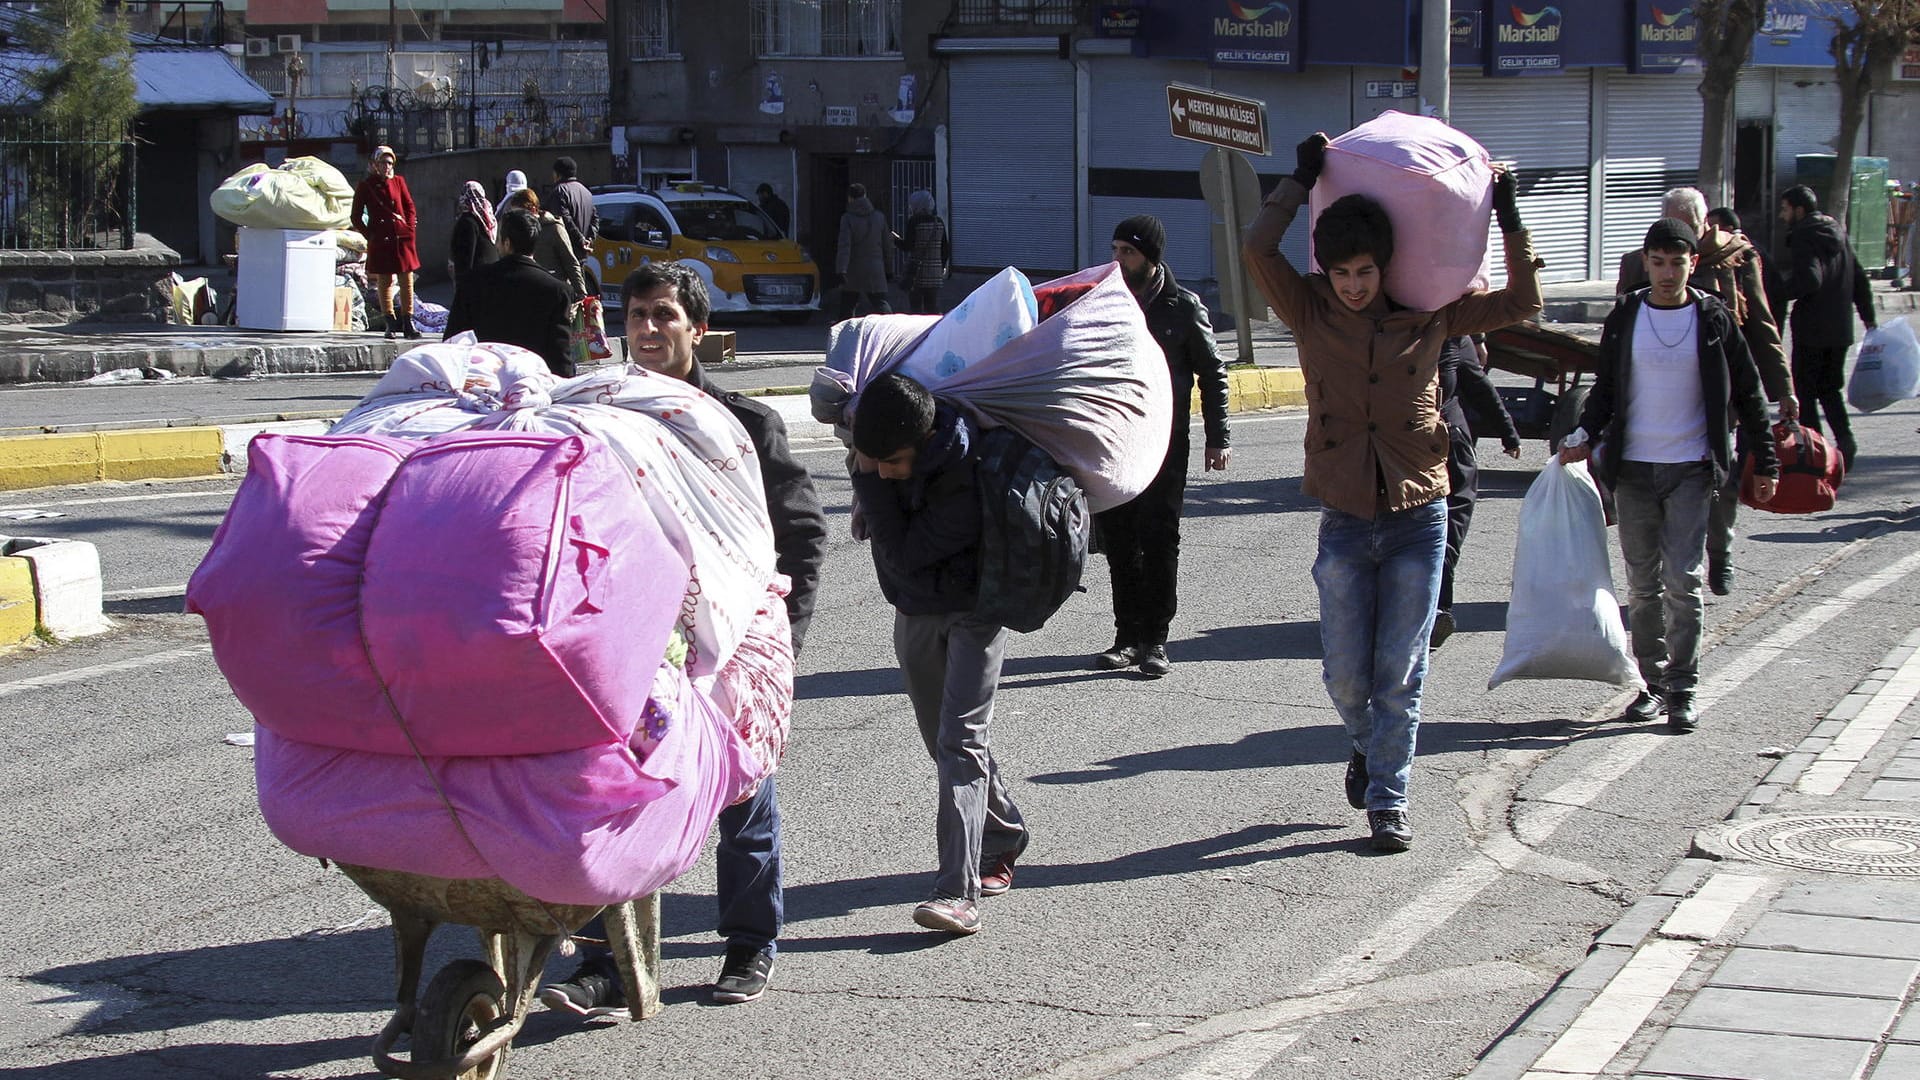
66	589
17	613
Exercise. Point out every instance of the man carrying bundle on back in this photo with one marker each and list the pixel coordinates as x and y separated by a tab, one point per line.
1376	448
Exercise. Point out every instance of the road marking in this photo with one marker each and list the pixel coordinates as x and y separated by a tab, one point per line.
1602	1029
103	500
1241	1056
61	678
1838	761
146	593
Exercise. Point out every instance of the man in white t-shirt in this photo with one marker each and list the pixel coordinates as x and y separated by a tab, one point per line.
1672	363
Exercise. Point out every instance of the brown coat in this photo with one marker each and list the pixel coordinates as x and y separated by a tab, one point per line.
1373	391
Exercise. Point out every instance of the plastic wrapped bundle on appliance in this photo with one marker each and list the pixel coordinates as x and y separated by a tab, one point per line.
1435	183
1068	364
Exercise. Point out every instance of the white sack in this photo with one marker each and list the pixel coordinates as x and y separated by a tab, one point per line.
1887	368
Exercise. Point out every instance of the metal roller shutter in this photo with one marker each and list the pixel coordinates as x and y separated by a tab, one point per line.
1806	118
1543	125
1011	133
1753	94
1652	145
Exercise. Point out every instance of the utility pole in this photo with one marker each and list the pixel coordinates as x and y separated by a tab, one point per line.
393	41
1436	46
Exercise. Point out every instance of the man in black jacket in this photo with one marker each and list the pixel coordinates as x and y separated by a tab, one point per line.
1822	280
573	200
1672	360
1464	384
1141	538
514	301
666	308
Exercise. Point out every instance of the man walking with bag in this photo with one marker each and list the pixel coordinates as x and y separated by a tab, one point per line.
1671	360
1141	538
1822	280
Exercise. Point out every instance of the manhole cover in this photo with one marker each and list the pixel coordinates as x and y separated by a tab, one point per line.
1836	843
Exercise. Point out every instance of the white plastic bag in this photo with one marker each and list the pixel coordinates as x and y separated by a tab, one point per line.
1564	619
1887	368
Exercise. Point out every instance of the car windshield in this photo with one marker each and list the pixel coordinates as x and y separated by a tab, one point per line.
723	220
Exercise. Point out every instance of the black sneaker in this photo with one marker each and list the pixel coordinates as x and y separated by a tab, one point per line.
1442	629
1681	716
1153	661
1118	657
1645	709
586	993
953	914
743	977
1719	576
1391	830
1357	781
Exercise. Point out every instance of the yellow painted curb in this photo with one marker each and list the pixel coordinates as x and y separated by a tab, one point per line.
18	615
37	461
1253	389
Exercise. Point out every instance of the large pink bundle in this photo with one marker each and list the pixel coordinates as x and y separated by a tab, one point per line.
587	826
1435	183
511	591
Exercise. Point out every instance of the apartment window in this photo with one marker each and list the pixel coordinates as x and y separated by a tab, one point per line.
649	29
1021	12
826	28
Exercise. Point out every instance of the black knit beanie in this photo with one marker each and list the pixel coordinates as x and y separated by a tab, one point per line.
1145	233
1669	233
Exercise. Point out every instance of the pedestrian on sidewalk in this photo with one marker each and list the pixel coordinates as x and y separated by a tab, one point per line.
1672	358
1376	459
775	208
516	181
914	480
1141	537
475	232
1822	281
570	199
514	301
1463	381
667	307
861	257
929	254
1729	268
553	249
384	213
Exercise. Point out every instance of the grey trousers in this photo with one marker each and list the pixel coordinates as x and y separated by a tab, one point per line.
1726	511
951	665
1663	511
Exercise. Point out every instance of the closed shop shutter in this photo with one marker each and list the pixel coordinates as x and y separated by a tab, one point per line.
1806	118
1753	94
1543	125
1011	135
1652	145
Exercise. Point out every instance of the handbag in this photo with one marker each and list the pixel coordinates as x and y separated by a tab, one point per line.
588	341
1810	472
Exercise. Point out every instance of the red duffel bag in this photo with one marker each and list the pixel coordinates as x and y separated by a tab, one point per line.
1810	472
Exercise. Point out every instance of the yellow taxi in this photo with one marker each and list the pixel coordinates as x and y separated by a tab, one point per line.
735	248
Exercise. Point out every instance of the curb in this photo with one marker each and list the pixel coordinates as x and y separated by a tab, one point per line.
77	363
49	588
45	458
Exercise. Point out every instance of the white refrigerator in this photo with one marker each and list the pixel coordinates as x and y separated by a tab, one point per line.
285	279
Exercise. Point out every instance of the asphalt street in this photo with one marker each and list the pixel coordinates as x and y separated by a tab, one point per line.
1198	901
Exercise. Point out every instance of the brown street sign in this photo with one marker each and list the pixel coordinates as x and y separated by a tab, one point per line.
1217	119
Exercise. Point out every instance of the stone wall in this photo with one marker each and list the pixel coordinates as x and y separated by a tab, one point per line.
53	288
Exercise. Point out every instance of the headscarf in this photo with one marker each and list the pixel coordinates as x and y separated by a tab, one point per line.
516	181
386	152
920	202
473	200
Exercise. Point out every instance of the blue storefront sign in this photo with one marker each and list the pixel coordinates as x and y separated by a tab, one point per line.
1256	34
1526	38
1467	34
1666	36
1796	33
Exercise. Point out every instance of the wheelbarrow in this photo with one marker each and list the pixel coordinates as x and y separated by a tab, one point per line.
464	1024
1552	359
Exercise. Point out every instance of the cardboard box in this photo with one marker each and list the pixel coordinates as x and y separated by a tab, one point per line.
715	348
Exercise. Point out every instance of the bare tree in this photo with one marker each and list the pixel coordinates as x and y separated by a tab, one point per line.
1726	37
1868	36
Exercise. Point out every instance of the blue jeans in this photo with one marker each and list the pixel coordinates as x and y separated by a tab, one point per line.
1379	581
748	890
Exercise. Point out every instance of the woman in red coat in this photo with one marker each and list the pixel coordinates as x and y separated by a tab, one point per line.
383	212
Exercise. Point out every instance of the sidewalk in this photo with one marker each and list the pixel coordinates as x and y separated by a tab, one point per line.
1786	947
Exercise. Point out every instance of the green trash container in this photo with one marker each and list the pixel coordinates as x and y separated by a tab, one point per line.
1866	205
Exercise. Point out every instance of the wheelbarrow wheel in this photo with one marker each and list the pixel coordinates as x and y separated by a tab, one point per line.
459	1005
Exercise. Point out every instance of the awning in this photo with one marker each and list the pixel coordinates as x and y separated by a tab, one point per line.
195	79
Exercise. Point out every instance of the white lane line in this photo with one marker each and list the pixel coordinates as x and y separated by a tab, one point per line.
146	593
61	678
225	493
1408	927
1548	813
1597	1035
1837	762
1242	1056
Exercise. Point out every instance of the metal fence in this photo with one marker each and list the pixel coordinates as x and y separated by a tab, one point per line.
416	124
1023	12
62	189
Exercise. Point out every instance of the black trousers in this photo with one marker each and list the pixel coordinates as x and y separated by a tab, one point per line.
1141	540
923	301
1819	377
1463	479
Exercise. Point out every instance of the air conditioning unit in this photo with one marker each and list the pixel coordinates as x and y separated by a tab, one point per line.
288	43
259	46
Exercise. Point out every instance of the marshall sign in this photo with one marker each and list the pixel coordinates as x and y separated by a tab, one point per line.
1217	119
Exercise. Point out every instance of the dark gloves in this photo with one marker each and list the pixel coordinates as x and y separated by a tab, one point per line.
1506	206
1311	156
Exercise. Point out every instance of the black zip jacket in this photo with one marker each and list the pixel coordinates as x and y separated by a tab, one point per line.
1822	280
1178	321
1727	376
